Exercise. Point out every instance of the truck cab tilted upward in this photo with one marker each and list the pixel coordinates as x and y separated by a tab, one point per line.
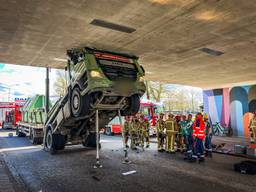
97	79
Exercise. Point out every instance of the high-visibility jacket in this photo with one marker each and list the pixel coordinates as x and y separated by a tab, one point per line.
144	126
170	126
253	123
207	127
127	126
134	128
199	129
160	125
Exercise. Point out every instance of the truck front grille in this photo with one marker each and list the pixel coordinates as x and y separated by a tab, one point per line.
116	71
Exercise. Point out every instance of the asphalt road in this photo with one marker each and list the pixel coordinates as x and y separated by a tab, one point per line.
72	169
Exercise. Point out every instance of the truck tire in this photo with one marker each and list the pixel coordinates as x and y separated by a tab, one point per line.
32	138
61	142
79	104
54	142
35	140
50	142
90	141
19	134
133	106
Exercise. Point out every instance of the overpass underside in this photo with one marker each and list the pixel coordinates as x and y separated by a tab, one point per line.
192	42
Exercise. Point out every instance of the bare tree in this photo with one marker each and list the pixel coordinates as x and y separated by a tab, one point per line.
156	90
180	98
60	84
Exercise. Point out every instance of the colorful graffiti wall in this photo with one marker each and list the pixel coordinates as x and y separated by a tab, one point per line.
231	107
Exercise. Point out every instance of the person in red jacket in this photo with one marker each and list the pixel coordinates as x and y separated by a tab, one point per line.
199	136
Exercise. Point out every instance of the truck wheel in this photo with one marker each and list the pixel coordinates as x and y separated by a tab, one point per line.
90	141
61	141
79	104
32	138
133	106
35	141
19	134
54	142
51	142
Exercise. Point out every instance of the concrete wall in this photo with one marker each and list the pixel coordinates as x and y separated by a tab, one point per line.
232	107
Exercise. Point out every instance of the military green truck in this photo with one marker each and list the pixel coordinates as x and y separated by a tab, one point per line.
32	119
97	79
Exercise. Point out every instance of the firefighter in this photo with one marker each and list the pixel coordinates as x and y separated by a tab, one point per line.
188	137
252	128
183	127
126	131
179	140
134	132
208	137
189	132
160	132
170	134
199	136
144	131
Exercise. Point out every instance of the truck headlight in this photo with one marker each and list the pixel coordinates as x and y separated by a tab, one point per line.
95	74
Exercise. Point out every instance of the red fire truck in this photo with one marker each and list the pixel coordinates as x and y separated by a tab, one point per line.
10	113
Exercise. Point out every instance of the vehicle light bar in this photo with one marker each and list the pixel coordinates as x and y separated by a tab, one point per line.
112	57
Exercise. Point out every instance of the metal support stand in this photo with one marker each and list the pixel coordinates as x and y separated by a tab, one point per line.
97	165
47	91
126	159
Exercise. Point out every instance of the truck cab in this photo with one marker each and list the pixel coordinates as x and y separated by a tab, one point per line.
104	79
97	79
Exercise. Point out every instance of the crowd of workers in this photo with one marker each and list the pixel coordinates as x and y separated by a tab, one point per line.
178	133
191	137
137	128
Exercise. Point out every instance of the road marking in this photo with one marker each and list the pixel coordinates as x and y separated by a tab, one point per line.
17	148
110	141
129	172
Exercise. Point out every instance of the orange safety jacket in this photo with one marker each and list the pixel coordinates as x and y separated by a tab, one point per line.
199	129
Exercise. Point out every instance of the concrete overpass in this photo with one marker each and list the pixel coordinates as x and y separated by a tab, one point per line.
204	43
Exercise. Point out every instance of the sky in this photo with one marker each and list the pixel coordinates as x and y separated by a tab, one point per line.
18	81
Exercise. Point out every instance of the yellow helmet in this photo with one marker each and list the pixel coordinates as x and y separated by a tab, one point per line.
206	116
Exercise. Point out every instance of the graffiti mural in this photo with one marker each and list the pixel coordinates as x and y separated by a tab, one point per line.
231	107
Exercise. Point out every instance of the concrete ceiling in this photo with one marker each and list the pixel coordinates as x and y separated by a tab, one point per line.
168	38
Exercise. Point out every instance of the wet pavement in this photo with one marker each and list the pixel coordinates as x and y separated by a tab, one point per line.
72	169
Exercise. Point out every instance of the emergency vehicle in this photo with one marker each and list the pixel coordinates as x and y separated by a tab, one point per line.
10	113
